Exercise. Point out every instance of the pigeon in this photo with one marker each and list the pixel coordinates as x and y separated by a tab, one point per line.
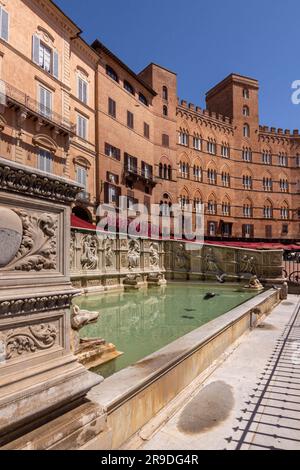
187	318
209	295
221	279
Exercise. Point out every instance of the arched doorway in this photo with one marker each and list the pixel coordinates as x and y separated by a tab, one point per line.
82	213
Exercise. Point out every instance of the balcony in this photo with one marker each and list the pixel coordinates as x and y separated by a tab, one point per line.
135	175
83	197
14	98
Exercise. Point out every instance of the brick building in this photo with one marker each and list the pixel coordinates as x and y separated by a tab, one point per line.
78	111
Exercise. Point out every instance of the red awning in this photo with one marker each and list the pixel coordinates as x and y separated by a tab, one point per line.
76	222
255	245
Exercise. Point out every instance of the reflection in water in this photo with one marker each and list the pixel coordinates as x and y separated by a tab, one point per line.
140	323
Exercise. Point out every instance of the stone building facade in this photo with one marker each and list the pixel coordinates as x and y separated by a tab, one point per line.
78	111
47	93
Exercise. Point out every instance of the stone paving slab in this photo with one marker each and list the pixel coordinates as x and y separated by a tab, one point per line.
252	401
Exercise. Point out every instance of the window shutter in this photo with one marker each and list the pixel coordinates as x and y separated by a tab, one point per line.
106	189
84	92
4	24
79	86
55	65
36	49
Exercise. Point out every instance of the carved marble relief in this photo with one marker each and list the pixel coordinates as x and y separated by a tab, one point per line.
134	253
28	340
248	265
109	254
154	255
72	250
89	258
34	304
181	258
28	241
210	262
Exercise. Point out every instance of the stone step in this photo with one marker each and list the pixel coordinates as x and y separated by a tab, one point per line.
70	431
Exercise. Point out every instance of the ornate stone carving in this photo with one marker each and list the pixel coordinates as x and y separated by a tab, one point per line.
154	255
72	250
254	284
134	252
38	246
89	258
181	258
248	265
210	263
109	254
24	181
11	230
34	304
29	340
79	319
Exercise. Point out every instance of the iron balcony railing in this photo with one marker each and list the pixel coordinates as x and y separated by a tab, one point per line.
140	174
11	95
84	196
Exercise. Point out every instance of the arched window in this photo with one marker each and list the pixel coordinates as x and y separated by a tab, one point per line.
212	205
143	99
266	157
246	130
267	184
268	210
165	110
284	185
225	179
197	171
226	208
246	111
161	170
128	87
165	206
212	176
247	182
165	93
211	146
111	73
247	154
248	209
284	211
246	93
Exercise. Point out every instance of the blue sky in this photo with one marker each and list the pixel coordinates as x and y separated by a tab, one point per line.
203	41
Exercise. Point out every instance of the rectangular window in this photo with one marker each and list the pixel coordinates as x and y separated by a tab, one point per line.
82	126
44	56
165	140
45	102
111	194
248	231
45	161
111	151
131	163
130	120
147	170
112	108
82	90
4	24
81	176
146	130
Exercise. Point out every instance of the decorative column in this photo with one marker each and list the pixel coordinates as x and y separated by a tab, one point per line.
39	375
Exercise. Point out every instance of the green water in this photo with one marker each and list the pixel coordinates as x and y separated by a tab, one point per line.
140	323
